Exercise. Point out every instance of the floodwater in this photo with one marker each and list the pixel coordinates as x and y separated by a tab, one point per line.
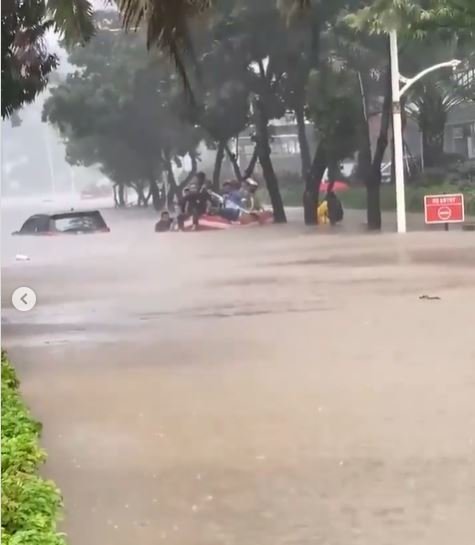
266	386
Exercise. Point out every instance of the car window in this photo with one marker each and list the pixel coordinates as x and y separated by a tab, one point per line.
34	225
78	223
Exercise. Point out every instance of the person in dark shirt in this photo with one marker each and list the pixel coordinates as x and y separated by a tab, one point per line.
335	208
164	223
203	197
195	202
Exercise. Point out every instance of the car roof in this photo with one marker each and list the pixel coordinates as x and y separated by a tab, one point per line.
38	216
73	212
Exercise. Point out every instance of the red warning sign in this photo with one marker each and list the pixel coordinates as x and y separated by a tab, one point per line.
444	208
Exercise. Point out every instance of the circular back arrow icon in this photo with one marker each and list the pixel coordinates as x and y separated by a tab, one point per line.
24	299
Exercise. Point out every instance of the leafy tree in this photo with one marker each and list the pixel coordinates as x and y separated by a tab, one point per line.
253	30
240	79
117	110
221	107
334	106
26	62
415	20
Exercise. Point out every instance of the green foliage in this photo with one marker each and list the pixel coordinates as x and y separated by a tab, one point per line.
167	25
30	504
416	18
334	106
120	109
26	62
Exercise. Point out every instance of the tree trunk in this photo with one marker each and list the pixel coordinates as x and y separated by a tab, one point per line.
218	163
252	164
433	145
333	170
312	184
303	141
373	185
240	176
148	196
121	195
363	166
315	173
155	193
139	189
172	187
234	163
116	200
264	154
432	120
191	174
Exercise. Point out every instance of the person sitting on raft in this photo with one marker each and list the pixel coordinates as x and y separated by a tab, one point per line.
251	201
230	209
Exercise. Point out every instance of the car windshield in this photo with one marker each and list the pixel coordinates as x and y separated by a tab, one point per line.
78	223
35	224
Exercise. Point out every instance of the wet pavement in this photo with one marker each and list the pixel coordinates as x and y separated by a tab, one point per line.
268	386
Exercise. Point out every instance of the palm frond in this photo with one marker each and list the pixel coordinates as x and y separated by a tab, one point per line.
167	26
73	19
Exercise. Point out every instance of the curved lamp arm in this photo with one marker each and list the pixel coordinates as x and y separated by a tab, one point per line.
410	82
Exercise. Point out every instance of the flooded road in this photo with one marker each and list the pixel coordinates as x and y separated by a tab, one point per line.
269	386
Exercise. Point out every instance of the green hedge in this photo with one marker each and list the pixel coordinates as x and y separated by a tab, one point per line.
30	504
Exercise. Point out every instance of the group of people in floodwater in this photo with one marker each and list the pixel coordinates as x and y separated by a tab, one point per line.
237	202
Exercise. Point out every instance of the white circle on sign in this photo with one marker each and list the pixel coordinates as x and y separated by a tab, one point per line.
444	213
24	299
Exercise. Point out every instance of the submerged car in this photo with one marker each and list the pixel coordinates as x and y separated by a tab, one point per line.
64	223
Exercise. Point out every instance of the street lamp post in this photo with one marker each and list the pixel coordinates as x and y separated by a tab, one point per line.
397	93
397	135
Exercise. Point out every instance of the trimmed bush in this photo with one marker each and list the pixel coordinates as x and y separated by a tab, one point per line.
30	504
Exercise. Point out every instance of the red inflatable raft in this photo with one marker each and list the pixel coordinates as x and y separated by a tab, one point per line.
217	223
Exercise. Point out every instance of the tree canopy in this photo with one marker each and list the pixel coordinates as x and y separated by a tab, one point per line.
117	109
26	62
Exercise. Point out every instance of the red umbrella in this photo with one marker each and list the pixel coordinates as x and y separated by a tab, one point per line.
337	186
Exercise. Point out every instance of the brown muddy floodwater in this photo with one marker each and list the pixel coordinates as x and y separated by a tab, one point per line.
257	387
